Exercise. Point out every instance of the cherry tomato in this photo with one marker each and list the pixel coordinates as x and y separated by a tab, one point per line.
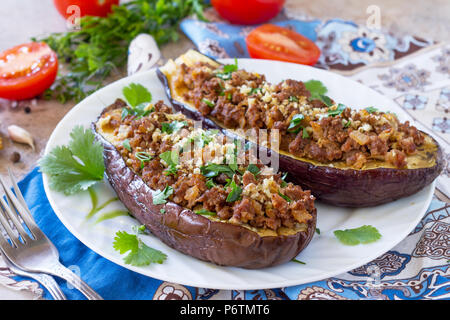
99	8
248	11
277	43
27	70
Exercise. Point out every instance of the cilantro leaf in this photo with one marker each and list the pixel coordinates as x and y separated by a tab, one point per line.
213	170
174	126
160	196
139	253
371	109
253	168
316	88
352	237
227	70
235	192
126	144
136	94
305	134
294	125
338	111
77	166
205	138
172	160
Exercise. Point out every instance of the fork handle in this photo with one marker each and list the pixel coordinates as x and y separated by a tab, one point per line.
49	283
66	274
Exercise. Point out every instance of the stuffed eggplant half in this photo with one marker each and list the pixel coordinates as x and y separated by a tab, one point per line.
200	192
346	157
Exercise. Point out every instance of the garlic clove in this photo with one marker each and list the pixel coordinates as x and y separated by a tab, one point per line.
20	135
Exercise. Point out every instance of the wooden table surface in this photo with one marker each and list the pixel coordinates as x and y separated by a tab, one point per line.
22	19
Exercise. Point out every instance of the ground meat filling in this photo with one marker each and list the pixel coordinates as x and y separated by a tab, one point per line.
264	200
326	133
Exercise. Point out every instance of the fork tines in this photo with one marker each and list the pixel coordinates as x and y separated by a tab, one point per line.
15	210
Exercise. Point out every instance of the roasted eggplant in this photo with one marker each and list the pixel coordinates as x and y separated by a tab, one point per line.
235	214
350	158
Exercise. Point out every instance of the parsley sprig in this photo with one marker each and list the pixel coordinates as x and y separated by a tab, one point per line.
100	47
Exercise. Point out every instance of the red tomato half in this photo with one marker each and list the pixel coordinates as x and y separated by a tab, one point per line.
27	70
277	43
248	11
99	8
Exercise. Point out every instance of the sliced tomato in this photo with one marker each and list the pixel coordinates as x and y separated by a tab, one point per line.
272	42
99	8
248	11
27	70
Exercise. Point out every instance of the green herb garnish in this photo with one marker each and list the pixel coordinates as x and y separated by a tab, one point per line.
255	90
209	103
294	125
139	253
371	109
235	192
305	134
316	88
298	261
77	166
364	234
100	46
212	170
174	126
143	157
210	183
253	168
293	99
172	160
338	111
228	69
139	98
160	196
136	94
285	197
126	144
326	100
205	212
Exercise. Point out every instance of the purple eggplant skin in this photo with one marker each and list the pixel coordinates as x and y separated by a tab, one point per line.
339	187
221	243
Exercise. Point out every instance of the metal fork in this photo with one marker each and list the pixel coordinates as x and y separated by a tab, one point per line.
35	253
45	280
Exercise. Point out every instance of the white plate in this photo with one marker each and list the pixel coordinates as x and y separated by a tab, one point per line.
324	257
